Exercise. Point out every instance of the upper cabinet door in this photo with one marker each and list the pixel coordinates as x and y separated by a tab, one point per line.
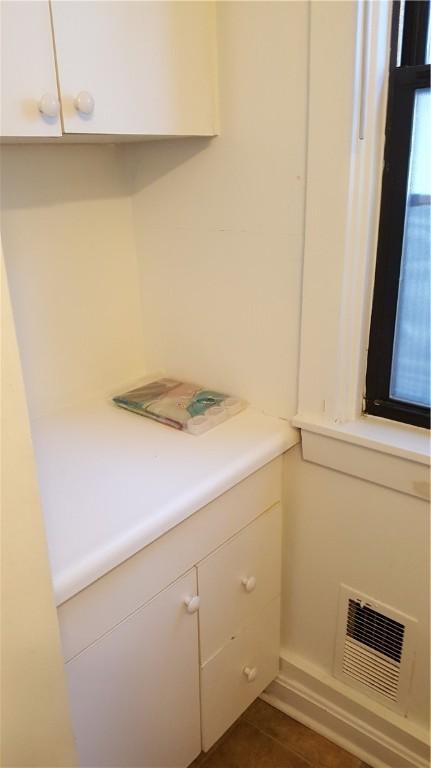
136	68
28	76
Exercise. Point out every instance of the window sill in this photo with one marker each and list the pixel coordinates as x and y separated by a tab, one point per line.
390	454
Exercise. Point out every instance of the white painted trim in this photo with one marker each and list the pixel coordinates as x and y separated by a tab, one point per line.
402	440
344	401
401	475
368	730
387	454
374	449
343	192
342	211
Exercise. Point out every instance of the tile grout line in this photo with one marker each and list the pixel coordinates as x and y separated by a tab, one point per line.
215	748
280	744
292	750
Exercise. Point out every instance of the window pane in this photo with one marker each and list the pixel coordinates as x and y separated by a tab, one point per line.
410	378
400	31
428	48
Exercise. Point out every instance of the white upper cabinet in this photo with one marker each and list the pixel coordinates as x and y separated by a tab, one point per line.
28	76
138	68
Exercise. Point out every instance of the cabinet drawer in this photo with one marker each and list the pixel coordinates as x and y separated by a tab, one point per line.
226	690
237	580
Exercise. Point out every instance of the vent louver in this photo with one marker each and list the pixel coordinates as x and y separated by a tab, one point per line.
371	648
375	630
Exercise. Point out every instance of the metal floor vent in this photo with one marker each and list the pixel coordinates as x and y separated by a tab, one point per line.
372	652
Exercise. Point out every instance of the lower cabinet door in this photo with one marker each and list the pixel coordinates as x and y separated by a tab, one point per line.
135	692
236	676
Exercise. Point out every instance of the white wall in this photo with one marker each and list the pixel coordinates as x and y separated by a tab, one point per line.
339	529
219	223
70	256
219	238
35	725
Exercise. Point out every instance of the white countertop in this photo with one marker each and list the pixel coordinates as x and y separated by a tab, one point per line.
112	481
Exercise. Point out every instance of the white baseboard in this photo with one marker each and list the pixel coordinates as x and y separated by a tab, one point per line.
377	736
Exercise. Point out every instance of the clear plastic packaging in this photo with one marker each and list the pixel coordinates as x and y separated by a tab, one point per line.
182	405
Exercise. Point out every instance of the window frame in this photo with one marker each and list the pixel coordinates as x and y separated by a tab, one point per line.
340	246
404	80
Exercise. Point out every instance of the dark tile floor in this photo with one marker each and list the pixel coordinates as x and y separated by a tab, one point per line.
263	737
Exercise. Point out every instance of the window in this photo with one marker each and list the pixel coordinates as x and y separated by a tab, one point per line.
398	371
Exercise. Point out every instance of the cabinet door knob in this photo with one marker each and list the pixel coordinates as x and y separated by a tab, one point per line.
249	583
250	673
192	603
48	105
84	103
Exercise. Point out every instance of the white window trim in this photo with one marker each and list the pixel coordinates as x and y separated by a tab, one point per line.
348	75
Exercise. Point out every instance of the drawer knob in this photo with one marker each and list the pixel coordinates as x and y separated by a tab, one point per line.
192	603
250	673
48	105
84	103
249	583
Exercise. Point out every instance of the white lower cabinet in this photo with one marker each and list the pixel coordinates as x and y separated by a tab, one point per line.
239	622
236	676
148	687
134	693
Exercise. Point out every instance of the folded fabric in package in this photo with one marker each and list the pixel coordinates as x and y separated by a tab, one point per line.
180	404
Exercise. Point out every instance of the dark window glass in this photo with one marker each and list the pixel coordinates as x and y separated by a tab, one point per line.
398	373
410	375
